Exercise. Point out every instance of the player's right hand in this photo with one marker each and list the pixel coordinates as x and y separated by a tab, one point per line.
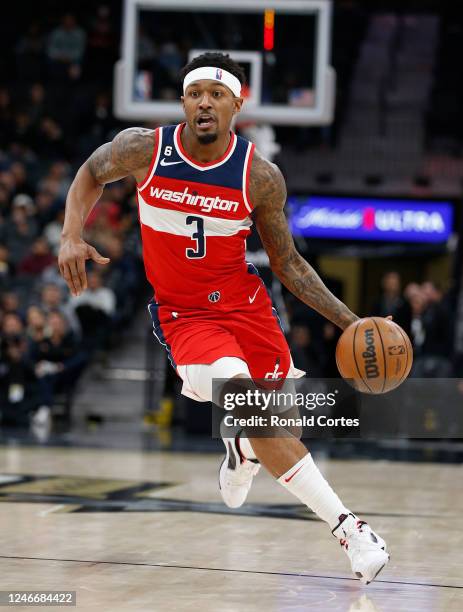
71	260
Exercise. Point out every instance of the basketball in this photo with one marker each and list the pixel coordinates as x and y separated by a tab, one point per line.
374	355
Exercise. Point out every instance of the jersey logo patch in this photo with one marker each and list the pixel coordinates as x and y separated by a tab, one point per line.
166	163
214	296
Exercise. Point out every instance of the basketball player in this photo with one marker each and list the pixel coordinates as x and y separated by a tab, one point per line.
200	187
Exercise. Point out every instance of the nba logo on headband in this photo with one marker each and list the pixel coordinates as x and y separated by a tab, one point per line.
215	74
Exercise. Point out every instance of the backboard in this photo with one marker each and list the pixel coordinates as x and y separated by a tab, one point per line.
283	45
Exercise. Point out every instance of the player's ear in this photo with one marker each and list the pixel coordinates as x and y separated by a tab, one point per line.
182	98
238	103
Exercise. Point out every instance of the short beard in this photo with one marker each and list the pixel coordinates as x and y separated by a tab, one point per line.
206	139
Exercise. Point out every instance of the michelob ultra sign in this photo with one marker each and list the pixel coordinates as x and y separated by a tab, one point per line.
370	219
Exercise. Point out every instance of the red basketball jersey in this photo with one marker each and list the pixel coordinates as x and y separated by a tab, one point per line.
194	222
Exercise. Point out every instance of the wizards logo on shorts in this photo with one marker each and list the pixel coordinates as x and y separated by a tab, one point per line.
218	74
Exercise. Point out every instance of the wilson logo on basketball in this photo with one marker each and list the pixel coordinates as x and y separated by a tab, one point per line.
369	355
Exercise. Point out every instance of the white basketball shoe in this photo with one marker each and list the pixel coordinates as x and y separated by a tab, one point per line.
236	474
365	549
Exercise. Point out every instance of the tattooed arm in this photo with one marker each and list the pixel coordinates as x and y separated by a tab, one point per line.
268	195
129	153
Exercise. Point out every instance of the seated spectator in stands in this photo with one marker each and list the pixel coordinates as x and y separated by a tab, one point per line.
22	184
47	204
8	181
10	303
36	324
20	230
6	269
49	140
20	395
65	49
95	309
105	216
96	124
37	103
38	259
433	294
58	174
57	357
52	298
436	322
121	276
392	302
22	132
430	337
4	205
12	325
30	53
6	117
102	44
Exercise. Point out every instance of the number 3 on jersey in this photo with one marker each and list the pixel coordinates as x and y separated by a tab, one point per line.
200	250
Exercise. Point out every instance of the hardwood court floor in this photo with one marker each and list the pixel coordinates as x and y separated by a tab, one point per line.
133	531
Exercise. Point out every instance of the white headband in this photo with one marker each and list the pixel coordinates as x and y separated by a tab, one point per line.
214	74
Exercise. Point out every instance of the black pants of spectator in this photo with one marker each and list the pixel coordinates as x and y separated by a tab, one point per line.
96	328
64	381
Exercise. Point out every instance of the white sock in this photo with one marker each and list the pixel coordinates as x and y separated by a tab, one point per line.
245	447
305	481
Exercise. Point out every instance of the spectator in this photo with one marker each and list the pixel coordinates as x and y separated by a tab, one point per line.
146	51
38	259
30	54
49	142
65	49
97	124
121	275
392	302
12	325
6	269
36	324
95	309
57	357
102	45
58	174
19	393
37	103
6	117
430	336
107	215
10	303
22	186
22	132
436	322
51	299
20	231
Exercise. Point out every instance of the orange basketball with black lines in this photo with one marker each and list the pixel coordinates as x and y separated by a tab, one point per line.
374	355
